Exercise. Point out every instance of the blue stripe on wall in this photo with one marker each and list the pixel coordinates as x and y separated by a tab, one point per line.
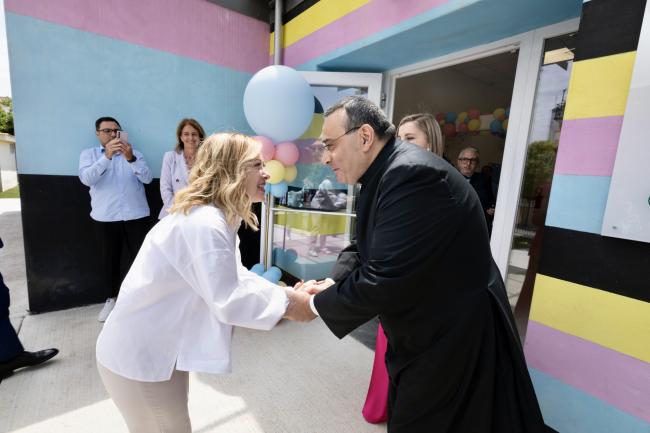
578	202
569	410
63	79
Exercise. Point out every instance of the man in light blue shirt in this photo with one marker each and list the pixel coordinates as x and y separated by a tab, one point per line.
116	174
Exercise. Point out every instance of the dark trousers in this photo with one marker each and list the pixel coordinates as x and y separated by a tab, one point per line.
10	345
120	242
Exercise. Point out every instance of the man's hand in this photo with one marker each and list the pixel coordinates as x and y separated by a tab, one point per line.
313	287
298	309
112	148
127	150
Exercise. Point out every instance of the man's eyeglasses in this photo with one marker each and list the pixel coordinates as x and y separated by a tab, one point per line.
328	143
108	130
468	160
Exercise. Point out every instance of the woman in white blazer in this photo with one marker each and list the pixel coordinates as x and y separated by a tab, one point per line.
187	289
178	162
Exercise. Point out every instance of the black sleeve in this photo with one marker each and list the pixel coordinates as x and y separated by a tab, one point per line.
416	220
347	261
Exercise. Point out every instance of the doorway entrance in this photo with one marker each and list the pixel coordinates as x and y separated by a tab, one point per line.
471	102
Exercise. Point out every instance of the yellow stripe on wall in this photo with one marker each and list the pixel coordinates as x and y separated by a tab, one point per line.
599	87
316	17
614	321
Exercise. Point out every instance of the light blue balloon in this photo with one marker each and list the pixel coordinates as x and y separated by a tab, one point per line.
277	254
278	103
267	188
277	271
272	275
291	255
450	117
496	126
279	189
258	268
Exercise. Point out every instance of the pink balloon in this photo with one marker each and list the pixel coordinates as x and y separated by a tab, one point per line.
473	113
268	149
449	129
287	153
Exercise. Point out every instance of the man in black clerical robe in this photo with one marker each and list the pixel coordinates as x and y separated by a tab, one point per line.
422	263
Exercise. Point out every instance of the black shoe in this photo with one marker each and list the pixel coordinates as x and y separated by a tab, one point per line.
26	359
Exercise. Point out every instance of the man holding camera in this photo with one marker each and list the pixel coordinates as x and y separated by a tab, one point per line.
116	174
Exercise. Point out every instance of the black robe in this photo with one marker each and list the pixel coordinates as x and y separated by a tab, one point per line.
422	263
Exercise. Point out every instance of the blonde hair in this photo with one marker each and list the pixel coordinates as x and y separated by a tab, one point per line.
427	124
219	177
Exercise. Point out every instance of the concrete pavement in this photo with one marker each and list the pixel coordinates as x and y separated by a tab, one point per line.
296	378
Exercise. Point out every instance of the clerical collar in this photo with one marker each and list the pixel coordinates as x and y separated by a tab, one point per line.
378	163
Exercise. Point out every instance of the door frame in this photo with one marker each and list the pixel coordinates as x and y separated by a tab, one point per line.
371	81
530	46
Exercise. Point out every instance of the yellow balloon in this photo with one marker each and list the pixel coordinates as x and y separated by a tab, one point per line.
315	127
441	122
505	124
275	169
462	116
499	114
290	173
474	125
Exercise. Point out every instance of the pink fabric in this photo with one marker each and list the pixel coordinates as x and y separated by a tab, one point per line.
375	409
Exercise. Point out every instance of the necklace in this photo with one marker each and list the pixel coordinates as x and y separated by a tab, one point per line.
189	159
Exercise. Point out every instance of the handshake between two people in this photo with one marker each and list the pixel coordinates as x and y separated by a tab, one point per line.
299	308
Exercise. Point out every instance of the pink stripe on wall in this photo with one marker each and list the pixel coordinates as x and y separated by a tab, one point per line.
196	29
588	146
618	379
363	22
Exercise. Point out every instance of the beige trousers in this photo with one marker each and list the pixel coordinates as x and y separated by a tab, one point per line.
150	407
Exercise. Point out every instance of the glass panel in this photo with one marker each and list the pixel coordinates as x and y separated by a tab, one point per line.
543	140
315	219
306	244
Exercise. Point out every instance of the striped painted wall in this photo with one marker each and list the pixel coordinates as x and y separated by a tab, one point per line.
147	63
588	341
378	35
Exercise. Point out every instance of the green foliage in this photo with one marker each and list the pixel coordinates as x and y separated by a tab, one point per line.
6	115
539	166
11	193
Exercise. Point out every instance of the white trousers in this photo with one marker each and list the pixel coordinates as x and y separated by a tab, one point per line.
150	407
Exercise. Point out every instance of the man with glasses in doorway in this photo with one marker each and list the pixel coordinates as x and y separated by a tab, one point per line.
468	160
116	174
421	261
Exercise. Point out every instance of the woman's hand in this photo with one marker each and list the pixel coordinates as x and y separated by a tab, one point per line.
313	287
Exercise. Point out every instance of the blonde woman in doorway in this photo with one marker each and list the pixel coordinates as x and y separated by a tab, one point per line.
423	130
177	163
186	291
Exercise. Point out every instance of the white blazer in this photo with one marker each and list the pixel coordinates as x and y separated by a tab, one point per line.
173	177
181	298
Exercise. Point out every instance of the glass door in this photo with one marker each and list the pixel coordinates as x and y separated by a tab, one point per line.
307	227
542	144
